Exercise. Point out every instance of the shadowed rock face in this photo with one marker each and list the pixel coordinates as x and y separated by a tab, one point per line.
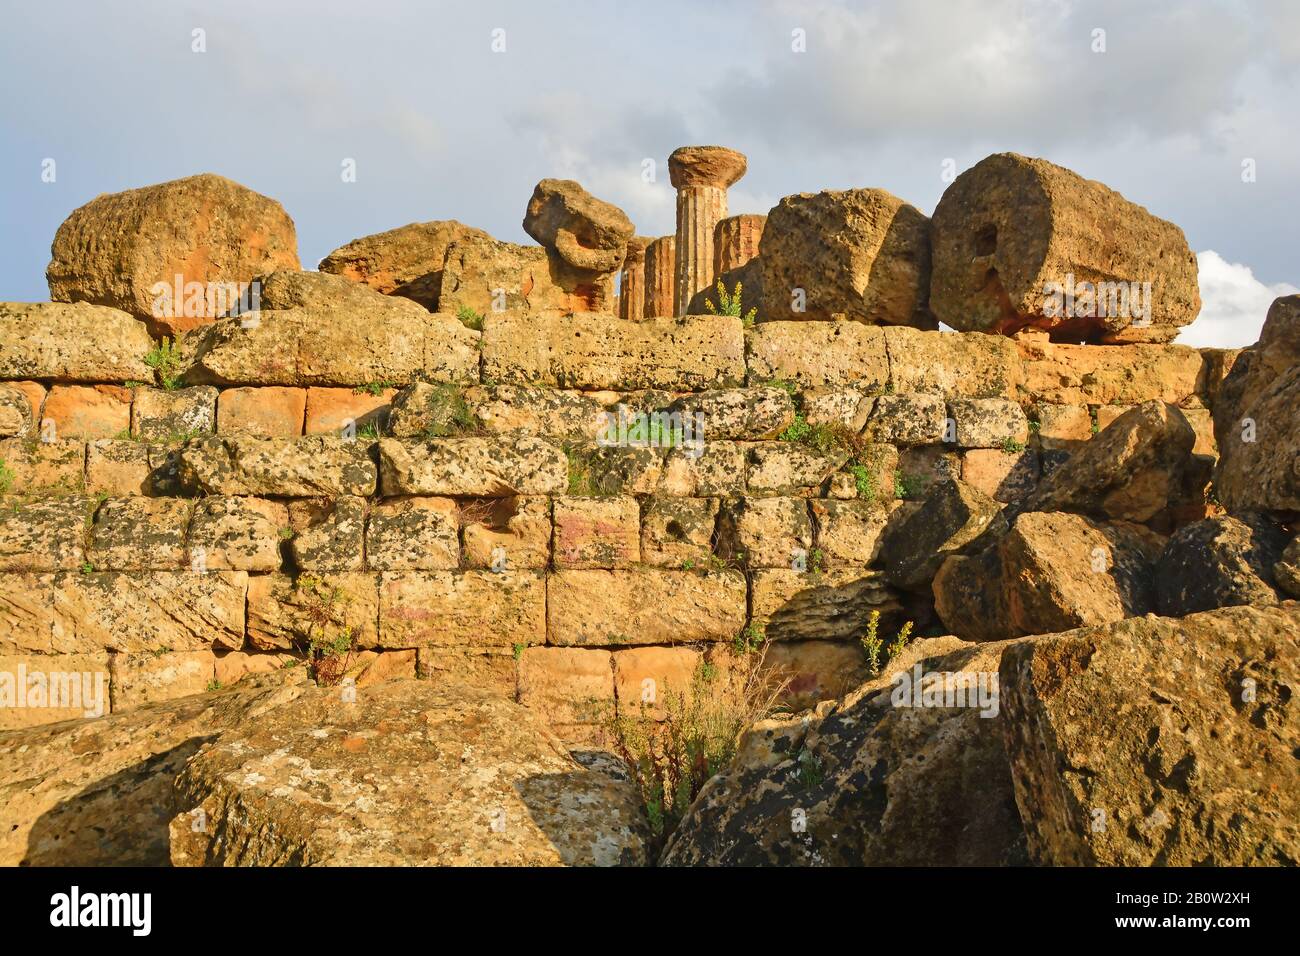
1158	741
406	773
864	782
1257	419
1010	226
99	792
205	228
1219	562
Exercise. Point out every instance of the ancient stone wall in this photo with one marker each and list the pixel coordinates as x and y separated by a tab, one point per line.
553	507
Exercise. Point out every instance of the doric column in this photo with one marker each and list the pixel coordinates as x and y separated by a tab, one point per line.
660	277
735	241
701	175
631	286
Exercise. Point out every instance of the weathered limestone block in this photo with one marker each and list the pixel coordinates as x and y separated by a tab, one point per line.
1112	375
594	351
342	411
1286	572
586	236
570	688
38	467
597	532
1130	471
513	410
818	353
148	610
989	423
78	343
851	532
406	261
1005	476
957	365
234	533
970	595
461	609
86	411
17	418
908	419
284	467
486	276
954	518
860	253
27	614
98	792
701	176
766	532
486	467
785	468
378	339
236	665
335	541
660	277
815	671
1190	771
148	678
830	605
1063	571
631	284
491	669
506	533
118	467
875	782
413	534
736	242
45	534
716	469
1063	427
159	415
139	534
45	689
645	676
1219	562
678	532
1012	228
201	229
537	806
738	413
643	607
1257	419
286	613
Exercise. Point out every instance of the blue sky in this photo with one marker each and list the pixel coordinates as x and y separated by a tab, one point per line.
441	126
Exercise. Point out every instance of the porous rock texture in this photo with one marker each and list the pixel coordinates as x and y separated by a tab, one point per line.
1010	225
1221	561
400	773
860	253
407	261
1158	741
206	228
864	781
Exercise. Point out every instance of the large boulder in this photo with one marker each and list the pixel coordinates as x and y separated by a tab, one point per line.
862	253
588	234
954	518
1012	230
406	261
1158	741
485	275
1221	561
79	343
402	773
99	792
1287	570
884	777
1257	419
1130	471
203	229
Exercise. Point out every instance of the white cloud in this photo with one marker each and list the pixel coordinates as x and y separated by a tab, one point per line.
1233	304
